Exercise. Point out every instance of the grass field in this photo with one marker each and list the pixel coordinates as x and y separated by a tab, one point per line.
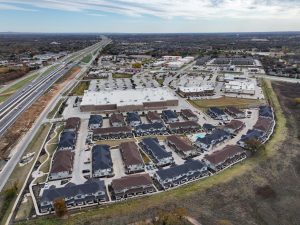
160	81
226	101
230	197
80	88
121	75
87	58
52	113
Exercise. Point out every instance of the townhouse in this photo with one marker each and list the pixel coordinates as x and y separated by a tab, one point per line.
95	121
209	141
72	124
235	112
184	127
133	119
62	165
208	128
217	114
234	127
150	129
131	157
153	117
90	192
266	111
225	157
157	153
189	115
181	146
266	125
177	175
170	116
251	135
117	120
112	133
132	185
67	140
102	165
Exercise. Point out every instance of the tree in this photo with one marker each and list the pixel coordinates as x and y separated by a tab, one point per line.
253	145
60	207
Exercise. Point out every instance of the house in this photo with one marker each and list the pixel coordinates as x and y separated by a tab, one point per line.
208	128
217	114
255	135
67	140
184	127
150	129
234	127
133	119
235	112
153	117
62	165
72	124
181	146
157	153
225	157
266	111
264	124
90	192
112	133
189	115
170	116
132	185
117	120
102	165
177	175
211	140
95	121
131	157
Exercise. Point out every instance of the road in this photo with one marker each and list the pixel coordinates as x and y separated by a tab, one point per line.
36	90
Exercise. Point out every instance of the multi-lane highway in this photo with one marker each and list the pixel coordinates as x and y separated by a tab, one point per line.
25	97
11	109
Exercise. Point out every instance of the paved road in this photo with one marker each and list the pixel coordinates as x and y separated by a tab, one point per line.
24	142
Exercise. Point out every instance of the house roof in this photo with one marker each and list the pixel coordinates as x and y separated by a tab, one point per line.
67	139
133	116
224	154
252	134
62	161
208	126
117	118
188	113
131	181
234	124
157	150
95	119
266	111
72	123
184	124
264	124
101	158
180	143
216	111
179	170
90	187
215	135
109	130
130	154
153	116
169	114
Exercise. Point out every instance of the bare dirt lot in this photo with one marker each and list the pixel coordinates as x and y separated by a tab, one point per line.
262	190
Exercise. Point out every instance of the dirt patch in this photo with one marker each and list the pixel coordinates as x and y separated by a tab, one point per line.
25	122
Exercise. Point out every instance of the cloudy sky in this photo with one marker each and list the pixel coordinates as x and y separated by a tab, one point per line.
149	15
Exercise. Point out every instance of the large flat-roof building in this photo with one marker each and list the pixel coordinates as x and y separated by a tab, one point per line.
128	100
240	87
205	90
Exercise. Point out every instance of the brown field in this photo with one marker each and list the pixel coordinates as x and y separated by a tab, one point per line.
262	190
226	101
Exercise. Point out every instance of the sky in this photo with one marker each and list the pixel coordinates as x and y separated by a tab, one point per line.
149	16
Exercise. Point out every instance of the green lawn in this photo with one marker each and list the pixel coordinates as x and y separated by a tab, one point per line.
226	101
121	75
52	113
80	88
87	58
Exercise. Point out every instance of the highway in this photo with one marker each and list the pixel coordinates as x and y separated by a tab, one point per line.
13	107
24	98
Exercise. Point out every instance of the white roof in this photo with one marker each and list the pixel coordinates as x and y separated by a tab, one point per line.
196	88
127	97
238	85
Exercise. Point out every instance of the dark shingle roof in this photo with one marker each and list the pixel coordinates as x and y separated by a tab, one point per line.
215	135
95	119
265	111
62	161
101	158
133	116
131	181
224	154
180	143
130	154
150	126
216	111
156	149
169	114
67	139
